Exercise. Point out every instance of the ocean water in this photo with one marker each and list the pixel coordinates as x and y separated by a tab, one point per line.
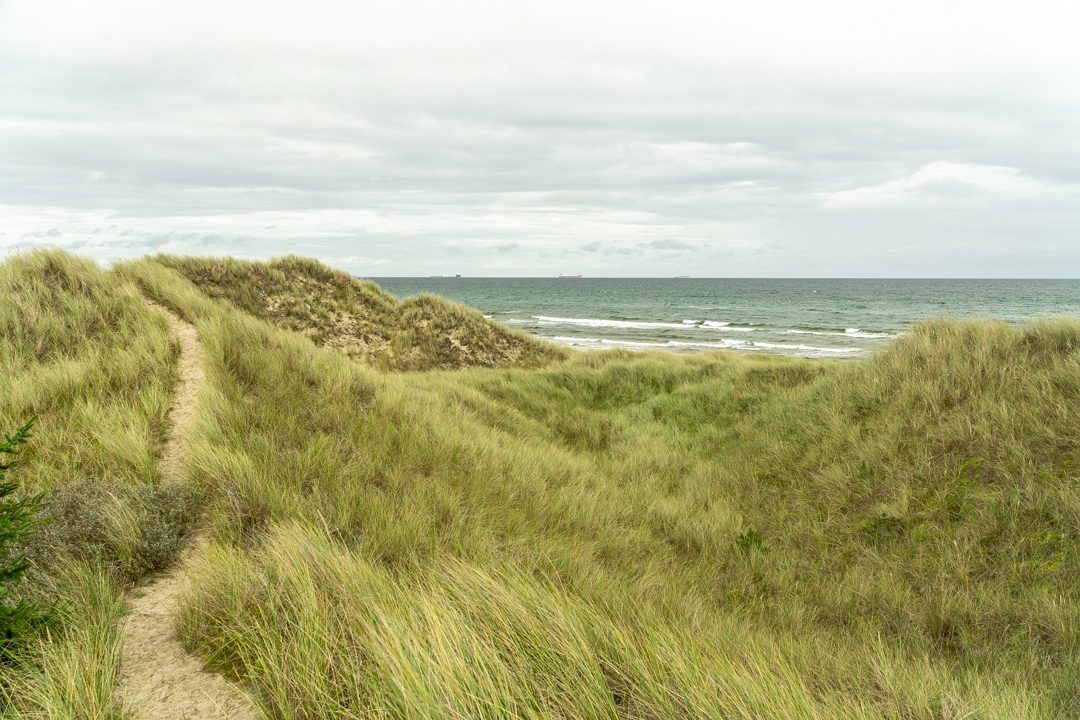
811	318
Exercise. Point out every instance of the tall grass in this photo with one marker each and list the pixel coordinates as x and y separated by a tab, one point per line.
717	536
71	670
610	535
468	642
79	349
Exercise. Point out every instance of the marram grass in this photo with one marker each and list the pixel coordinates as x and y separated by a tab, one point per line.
80	349
620	535
70	672
360	319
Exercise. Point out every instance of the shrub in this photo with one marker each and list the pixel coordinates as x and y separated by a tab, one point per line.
129	530
16	523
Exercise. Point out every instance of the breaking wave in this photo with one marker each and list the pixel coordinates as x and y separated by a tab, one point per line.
850	332
729	344
597	322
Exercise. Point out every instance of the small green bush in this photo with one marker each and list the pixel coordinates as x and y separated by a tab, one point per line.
16	523
750	541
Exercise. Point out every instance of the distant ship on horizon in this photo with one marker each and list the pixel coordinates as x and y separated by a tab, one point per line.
570	276
682	277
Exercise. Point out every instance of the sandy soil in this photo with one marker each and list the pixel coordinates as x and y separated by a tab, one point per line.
159	679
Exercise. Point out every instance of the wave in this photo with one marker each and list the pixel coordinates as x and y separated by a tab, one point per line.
807	348
725	327
716	325
642	343
849	332
727	344
596	322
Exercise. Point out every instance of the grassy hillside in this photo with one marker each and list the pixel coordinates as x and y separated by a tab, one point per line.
622	535
79	349
355	316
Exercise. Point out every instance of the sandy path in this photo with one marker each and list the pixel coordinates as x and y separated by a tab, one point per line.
159	679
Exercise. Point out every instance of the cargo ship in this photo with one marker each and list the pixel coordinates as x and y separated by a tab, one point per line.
569	276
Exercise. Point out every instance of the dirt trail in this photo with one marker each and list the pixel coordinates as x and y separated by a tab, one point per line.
159	679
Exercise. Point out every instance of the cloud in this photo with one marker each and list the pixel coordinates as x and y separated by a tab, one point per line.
502	136
670	245
943	183
355	261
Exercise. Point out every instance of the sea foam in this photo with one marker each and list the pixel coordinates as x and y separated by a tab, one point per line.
850	332
807	348
726	344
597	322
716	325
608	342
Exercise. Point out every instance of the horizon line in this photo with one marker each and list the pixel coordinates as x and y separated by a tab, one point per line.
702	277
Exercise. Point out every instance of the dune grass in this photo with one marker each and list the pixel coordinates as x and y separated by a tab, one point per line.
360	319
79	349
893	537
617	535
70	671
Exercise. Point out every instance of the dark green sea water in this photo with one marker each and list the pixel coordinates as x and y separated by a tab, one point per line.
814	318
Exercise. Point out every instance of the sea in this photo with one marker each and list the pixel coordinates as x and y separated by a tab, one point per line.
802	317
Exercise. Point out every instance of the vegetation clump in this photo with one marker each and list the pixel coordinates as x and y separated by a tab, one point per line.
129	531
17	522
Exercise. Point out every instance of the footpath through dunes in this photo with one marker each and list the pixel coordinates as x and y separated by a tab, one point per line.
337	310
631	535
159	679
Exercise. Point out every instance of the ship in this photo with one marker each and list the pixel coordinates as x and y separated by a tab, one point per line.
570	276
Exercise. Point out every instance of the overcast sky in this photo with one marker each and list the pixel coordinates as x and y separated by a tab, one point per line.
753	138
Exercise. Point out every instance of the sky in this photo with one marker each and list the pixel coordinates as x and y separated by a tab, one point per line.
714	139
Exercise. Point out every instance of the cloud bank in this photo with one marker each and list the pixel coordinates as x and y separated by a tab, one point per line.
408	138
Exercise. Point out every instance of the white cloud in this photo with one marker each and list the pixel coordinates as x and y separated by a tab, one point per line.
943	184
